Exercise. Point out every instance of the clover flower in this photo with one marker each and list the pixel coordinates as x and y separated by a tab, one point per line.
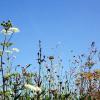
33	88
10	31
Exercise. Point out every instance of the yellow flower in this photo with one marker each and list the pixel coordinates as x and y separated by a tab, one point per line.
87	75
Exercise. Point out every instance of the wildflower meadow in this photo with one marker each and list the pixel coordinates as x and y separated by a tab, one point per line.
49	82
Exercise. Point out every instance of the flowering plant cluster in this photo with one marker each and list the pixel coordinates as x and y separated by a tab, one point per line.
51	81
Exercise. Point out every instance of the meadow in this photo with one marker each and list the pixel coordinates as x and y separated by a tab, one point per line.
50	82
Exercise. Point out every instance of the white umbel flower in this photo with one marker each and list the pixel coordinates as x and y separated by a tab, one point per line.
6	32
8	51
10	31
15	49
14	29
33	88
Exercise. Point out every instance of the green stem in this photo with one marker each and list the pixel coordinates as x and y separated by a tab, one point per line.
10	37
2	71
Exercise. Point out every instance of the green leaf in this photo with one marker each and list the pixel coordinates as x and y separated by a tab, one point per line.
0	53
7	44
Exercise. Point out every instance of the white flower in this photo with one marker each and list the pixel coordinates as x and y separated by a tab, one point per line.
10	31
6	32
8	51
33	88
14	29
15	49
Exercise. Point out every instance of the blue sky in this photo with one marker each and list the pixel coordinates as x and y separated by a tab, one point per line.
72	23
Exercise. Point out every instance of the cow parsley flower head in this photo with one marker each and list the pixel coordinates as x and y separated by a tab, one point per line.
15	49
14	29
10	31
33	88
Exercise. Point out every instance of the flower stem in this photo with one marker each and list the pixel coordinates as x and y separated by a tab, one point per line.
2	71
